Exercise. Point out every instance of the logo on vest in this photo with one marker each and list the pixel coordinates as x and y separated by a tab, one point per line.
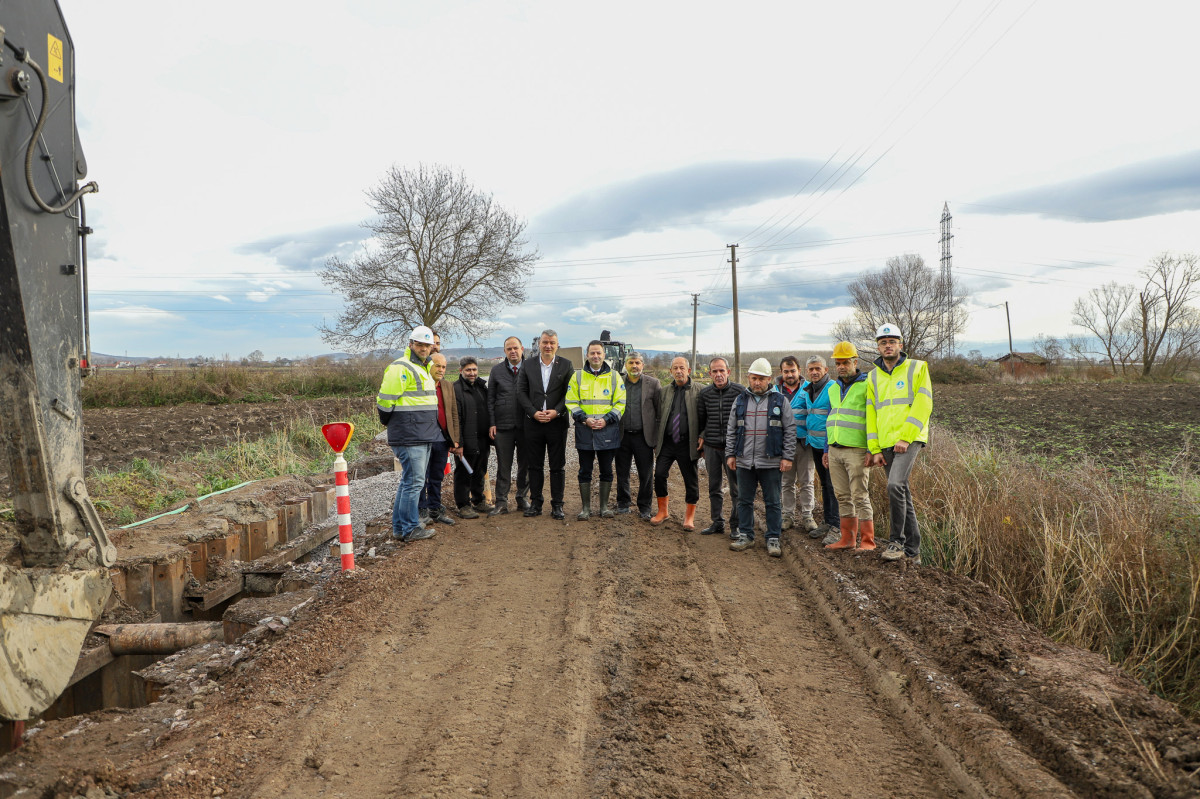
606	392
899	384
775	411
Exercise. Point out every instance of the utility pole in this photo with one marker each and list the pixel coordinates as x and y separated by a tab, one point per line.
695	306
946	288
737	341
1012	360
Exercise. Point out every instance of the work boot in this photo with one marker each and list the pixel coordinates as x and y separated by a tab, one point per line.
894	551
423	515
867	528
662	512
773	548
717	526
809	524
832	536
605	490
467	512
622	509
419	534
500	509
440	515
849	529
585	497
531	511
556	511
689	517
741	542
522	504
820	532
482	506
787	522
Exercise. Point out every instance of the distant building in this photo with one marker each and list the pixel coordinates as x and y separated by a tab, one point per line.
1024	364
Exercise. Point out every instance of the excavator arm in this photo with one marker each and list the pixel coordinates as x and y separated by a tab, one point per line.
56	583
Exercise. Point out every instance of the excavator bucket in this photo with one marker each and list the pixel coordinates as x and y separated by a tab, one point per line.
44	617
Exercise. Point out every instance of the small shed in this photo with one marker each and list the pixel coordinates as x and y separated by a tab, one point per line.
1024	364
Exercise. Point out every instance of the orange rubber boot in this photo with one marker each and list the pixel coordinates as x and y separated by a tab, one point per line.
662	512
867	528
849	529
689	518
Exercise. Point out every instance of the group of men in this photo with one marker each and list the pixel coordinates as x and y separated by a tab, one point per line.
776	435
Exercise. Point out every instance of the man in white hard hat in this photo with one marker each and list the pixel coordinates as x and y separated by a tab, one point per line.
899	404
760	444
408	408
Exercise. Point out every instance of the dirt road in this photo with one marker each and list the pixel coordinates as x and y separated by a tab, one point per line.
534	658
602	659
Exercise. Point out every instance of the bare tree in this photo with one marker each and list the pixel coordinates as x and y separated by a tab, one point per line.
907	293
442	254
1180	351
1106	312
1172	282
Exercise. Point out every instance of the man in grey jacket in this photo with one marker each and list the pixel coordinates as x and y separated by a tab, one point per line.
643	402
760	445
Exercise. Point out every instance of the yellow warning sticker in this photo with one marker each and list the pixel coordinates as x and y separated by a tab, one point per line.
55	61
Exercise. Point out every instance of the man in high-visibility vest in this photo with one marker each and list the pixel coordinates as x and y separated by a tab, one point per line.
899	404
846	454
408	408
596	401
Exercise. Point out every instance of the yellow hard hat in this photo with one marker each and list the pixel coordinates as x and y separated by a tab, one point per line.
844	349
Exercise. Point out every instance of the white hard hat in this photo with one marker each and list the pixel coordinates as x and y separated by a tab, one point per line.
761	366
888	330
421	335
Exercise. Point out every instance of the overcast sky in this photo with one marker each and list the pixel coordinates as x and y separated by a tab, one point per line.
233	143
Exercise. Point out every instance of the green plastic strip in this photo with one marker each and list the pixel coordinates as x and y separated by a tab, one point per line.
185	507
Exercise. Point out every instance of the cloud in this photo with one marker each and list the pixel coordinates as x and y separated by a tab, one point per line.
137	313
1149	188
658	201
308	250
221	297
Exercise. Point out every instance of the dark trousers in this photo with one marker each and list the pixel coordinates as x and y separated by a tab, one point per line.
546	440
588	456
902	514
508	442
677	453
634	449
771	481
431	494
829	505
715	465
468	488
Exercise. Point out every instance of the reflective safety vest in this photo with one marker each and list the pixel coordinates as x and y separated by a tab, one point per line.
592	396
847	421
407	403
899	403
817	419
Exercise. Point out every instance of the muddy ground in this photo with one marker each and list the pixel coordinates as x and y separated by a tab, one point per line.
516	657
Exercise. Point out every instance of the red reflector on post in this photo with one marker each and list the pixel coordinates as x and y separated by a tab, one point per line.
338	434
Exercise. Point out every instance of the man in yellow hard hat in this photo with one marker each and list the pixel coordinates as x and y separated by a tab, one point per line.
846	454
899	404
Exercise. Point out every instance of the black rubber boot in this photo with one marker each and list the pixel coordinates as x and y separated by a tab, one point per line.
717	526
585	497
605	490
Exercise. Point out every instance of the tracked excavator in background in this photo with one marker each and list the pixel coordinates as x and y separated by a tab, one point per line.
54	582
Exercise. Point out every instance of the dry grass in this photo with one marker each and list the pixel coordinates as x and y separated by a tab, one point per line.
224	384
1094	557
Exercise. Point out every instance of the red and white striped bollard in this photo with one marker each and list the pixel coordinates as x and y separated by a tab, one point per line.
338	435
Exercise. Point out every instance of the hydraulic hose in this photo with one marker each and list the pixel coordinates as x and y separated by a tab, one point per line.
87	188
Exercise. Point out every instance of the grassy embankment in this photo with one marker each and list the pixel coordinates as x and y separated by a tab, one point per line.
144	489
1103	560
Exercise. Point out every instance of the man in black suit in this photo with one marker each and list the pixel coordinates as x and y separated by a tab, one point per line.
542	394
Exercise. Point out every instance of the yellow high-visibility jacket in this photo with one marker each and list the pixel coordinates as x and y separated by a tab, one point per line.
407	403
899	403
847	421
600	395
